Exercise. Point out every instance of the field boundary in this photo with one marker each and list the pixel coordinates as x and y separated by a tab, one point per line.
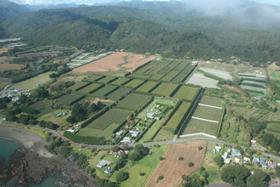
207	120
197	134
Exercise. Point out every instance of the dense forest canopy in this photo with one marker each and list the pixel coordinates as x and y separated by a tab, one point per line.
247	30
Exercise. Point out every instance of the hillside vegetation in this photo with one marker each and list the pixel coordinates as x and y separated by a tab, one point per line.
165	27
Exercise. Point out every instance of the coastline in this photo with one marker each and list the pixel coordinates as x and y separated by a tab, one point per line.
30	141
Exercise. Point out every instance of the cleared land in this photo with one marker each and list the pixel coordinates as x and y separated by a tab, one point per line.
34	82
165	89
6	67
105	125
186	93
119	61
172	168
208	113
135	102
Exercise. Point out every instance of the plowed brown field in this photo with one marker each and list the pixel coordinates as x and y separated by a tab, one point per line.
172	168
116	62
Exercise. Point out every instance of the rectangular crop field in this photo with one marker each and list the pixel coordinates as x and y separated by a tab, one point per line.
147	86
273	127
186	93
134	83
198	126
120	81
177	117
78	85
90	88
106	80
135	102
70	99
102	92
213	101
106	124
208	113
34	82
165	89
169	76
119	93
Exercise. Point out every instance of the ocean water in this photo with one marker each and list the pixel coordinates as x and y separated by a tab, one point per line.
7	148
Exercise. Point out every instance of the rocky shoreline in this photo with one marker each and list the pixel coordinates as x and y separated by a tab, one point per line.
27	166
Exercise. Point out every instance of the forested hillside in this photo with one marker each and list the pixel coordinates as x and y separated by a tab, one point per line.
169	28
9	9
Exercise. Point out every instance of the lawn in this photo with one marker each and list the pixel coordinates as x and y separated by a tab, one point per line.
165	89
147	165
135	102
119	93
107	89
69	99
197	126
105	125
120	81
186	93
147	86
34	82
134	83
177	118
90	88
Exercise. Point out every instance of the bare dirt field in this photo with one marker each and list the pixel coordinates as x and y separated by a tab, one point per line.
119	61
5	67
3	50
176	164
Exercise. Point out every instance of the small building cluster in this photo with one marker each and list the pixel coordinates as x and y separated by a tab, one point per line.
105	165
13	93
233	155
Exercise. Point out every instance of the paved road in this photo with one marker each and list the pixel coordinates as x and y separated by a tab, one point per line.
175	140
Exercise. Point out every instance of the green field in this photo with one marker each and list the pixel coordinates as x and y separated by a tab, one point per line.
69	99
78	85
90	88
120	81
165	89
208	113
213	101
105	125
186	93
134	83
119	93
171	75
52	117
34	82
146	165
273	127
135	102
147	86
197	126
102	92
177	117
42	106
106	80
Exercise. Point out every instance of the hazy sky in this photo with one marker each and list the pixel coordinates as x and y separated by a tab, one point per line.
275	2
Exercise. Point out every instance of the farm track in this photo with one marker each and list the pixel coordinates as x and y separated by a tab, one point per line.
175	140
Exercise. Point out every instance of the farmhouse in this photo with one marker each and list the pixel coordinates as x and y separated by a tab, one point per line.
102	163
